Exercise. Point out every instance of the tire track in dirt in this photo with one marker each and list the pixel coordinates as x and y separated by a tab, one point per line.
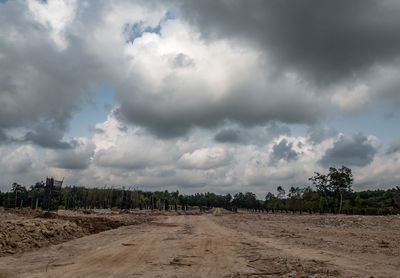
178	246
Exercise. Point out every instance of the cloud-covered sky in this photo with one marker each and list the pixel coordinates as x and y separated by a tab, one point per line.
196	96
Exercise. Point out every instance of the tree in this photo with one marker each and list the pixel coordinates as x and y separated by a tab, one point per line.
335	183
281	192
294	192
320	181
396	197
294	202
18	190
250	200
340	181
36	194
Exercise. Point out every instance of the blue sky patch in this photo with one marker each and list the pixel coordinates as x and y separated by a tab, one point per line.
94	111
137	29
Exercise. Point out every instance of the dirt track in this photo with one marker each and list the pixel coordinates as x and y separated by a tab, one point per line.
208	245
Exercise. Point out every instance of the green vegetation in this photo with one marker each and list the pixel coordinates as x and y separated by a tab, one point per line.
306	200
332	194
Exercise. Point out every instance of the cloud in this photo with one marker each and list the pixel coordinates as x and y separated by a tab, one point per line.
48	137
206	158
77	159
3	137
228	136
324	42
258	135
172	77
381	173
19	161
181	61
283	150
131	160
317	134
223	83
356	150
212	98
247	64
54	15
352	100
273	129
394	148
127	148
41	84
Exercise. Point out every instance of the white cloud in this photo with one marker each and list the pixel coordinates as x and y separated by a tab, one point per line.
352	100
205	158
55	15
223	81
19	160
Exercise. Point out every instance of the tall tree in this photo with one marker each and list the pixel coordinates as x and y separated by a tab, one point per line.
340	181
281	192
320	181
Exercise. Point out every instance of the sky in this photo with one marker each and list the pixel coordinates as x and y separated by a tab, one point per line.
197	96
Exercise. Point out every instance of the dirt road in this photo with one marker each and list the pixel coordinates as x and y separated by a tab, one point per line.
208	245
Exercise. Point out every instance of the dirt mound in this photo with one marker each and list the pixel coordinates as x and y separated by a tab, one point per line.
23	230
90	225
24	234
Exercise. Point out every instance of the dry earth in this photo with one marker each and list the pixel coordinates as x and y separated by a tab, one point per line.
29	229
220	244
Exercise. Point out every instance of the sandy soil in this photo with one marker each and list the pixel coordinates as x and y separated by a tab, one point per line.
29	229
222	244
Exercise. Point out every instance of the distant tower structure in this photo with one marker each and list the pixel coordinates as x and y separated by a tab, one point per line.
52	194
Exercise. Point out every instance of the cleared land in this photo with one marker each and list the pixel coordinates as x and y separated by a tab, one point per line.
216	244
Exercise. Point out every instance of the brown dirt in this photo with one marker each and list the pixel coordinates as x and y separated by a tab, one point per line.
223	244
28	229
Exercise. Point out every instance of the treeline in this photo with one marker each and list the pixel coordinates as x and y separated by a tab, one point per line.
307	200
78	197
296	200
332	194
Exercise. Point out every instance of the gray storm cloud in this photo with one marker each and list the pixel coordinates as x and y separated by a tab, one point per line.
355	150
228	136
324	45
78	158
259	135
48	136
323	41
41	86
283	150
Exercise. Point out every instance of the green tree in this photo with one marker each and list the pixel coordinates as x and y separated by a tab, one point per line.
340	181
19	192
321	182
281	192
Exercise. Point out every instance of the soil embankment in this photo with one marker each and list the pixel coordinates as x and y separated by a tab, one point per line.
27	229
